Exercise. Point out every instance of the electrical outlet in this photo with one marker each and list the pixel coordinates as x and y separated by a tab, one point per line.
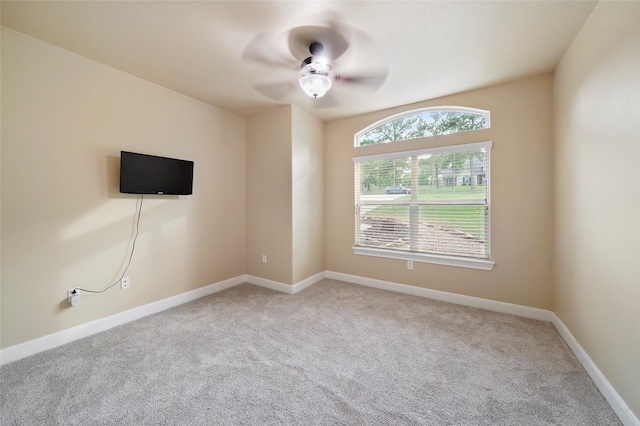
410	264
264	258
125	283
73	297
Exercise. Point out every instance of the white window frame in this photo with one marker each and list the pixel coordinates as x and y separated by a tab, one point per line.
449	260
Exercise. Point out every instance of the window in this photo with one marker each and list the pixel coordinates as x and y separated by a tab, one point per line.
424	123
430	205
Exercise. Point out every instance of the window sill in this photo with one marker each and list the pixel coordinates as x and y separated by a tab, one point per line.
461	262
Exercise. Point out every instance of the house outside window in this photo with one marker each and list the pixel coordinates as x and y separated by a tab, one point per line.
442	217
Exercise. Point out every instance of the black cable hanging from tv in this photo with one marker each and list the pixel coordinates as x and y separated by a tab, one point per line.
133	249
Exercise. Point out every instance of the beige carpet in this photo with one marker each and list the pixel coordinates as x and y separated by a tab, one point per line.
334	354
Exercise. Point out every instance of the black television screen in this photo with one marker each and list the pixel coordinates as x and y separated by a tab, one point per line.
150	174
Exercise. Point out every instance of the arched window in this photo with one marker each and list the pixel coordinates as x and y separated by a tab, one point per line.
426	205
424	122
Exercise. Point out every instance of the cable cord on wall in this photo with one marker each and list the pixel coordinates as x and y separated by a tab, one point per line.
133	249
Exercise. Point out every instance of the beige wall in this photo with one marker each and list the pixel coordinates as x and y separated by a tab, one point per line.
307	148
64	223
285	189
597	193
285	195
269	195
521	193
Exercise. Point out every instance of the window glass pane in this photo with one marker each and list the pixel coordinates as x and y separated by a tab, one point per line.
433	202
424	124
384	226
453	230
453	176
389	176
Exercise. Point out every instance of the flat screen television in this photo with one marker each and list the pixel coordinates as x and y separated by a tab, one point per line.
150	174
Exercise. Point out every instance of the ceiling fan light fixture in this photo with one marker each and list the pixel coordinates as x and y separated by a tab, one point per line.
315	85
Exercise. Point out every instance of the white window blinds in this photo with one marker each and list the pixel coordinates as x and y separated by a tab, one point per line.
433	201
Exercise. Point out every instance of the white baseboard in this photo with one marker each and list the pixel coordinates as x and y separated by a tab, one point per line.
32	347
285	288
622	410
308	282
626	416
270	284
458	299
51	341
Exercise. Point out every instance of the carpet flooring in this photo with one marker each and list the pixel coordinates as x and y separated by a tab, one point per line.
333	354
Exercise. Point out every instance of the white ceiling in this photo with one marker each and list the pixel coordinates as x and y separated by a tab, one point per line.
431	48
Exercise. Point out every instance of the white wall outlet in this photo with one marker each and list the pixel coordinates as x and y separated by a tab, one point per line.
264	258
73	297
125	283
410	264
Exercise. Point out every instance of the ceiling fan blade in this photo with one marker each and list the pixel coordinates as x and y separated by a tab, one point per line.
356	72
290	92
281	92
263	50
368	80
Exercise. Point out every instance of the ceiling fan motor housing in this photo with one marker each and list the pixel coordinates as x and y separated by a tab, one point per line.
315	72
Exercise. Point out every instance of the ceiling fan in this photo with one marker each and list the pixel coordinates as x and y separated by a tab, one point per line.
315	66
